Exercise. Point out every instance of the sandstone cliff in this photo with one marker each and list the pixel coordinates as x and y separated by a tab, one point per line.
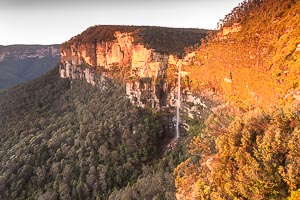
126	57
18	52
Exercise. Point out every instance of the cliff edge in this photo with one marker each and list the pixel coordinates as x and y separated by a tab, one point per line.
136	56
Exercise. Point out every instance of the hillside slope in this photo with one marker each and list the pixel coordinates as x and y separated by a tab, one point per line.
254	59
65	139
73	141
20	63
251	152
62	138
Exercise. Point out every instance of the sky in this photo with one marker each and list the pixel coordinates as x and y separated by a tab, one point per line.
56	21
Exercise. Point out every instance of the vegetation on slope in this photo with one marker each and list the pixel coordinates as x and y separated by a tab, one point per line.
13	71
162	39
258	63
73	141
255	157
157	180
252	153
20	63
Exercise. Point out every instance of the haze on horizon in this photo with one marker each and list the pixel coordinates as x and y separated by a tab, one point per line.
53	22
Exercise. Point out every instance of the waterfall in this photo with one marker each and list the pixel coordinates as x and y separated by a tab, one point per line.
178	101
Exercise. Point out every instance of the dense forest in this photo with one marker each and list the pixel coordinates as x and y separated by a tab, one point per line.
63	140
255	156
21	63
13	71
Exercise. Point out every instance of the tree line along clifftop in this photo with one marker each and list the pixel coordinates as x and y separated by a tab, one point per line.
161	39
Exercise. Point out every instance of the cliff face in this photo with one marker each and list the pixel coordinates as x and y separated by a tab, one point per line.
144	65
254	59
143	70
19	52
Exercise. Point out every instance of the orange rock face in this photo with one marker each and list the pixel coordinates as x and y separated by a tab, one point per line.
142	70
139	62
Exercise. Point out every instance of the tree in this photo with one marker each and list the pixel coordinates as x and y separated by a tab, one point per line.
256	158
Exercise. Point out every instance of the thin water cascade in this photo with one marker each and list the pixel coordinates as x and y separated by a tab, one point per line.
178	101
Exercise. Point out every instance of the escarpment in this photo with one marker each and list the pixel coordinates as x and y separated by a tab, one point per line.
138	57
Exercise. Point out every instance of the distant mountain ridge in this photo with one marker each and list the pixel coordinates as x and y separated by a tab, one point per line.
20	63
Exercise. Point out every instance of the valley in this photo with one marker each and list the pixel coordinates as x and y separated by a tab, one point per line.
102	124
21	63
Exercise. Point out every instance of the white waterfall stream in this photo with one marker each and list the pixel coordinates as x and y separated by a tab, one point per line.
178	101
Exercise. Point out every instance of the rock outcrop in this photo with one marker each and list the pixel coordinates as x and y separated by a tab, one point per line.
19	52
142	69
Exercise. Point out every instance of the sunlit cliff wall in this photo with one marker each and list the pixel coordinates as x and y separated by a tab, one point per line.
141	67
144	71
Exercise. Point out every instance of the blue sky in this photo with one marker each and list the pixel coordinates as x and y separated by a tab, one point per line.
49	22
